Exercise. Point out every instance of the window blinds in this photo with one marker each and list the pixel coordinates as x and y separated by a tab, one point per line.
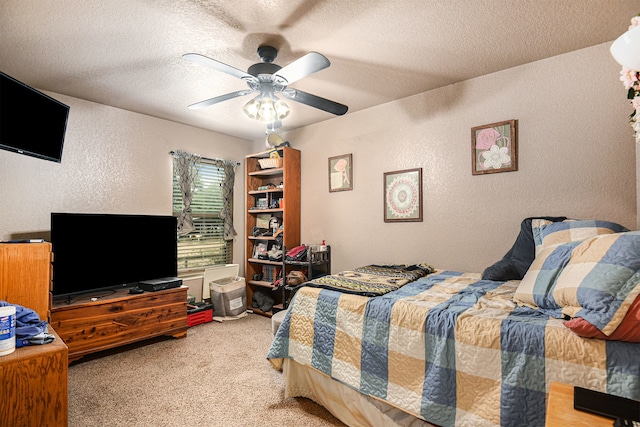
205	245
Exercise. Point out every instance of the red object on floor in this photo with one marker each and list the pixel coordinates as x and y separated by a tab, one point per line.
203	316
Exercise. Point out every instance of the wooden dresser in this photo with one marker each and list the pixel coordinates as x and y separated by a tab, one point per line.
34	385
25	276
33	379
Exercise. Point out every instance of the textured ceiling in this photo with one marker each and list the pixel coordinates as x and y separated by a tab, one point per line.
128	53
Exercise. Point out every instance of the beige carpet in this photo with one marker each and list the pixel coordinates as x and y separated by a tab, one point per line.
217	376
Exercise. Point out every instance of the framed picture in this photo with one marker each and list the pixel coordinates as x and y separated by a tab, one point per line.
493	148
262	220
260	250
341	173
403	195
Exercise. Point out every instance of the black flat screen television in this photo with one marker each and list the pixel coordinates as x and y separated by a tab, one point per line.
99	252
31	122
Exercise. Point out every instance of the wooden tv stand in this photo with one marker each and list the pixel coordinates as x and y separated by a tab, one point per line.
117	318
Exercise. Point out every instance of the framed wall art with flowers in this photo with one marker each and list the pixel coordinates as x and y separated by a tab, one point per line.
493	148
341	173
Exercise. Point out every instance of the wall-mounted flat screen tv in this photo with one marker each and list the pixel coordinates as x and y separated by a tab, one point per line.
97	252
31	122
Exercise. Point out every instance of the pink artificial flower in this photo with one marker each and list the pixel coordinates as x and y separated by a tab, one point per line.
635	102
635	21
486	138
628	78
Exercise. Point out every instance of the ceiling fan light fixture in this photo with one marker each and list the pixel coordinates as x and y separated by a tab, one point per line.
251	108
266	79
282	109
264	109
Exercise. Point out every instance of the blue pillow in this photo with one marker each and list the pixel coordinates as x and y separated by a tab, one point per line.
516	262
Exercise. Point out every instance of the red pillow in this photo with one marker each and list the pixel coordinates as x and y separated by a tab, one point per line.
628	330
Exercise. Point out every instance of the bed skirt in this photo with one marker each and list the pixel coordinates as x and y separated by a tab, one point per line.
346	404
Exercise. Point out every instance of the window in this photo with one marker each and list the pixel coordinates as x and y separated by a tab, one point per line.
205	245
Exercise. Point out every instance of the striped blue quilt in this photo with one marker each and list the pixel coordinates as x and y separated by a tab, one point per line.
451	349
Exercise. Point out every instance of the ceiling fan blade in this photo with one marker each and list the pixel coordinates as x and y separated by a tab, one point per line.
217	65
209	102
315	101
302	67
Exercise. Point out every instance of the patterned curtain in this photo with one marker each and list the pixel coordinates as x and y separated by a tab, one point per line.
184	165
226	213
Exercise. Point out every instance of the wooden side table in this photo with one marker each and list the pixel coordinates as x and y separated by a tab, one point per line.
34	387
560	412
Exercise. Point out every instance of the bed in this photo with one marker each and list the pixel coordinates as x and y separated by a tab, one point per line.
450	348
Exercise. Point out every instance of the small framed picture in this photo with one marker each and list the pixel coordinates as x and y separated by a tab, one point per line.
260	249
403	195
493	148
341	173
262	220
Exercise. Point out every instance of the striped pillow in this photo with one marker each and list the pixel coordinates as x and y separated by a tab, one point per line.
536	288
548	234
596	279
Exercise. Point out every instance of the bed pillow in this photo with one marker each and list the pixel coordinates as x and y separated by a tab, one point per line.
536	288
502	271
537	225
596	279
548	234
516	262
629	329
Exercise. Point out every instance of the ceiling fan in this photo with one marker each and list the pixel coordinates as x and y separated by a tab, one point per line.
269	80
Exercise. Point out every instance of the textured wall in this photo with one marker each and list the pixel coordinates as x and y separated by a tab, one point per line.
114	161
576	158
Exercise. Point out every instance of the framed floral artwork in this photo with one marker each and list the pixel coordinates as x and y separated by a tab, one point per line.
403	195
341	173
493	148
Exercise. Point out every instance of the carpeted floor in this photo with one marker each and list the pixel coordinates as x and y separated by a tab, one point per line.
217	375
